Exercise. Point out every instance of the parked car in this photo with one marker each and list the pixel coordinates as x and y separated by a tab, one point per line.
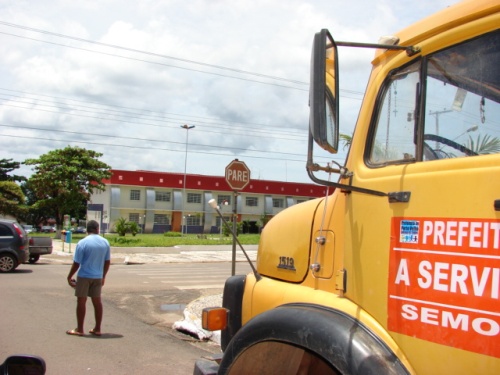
28	228
14	249
80	230
48	229
39	246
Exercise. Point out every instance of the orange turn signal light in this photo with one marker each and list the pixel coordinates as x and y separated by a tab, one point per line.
214	318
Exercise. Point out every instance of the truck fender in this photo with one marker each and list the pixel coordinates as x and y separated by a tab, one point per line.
231	300
339	339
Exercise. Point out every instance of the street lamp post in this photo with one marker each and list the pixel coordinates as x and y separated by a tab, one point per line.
187	127
223	203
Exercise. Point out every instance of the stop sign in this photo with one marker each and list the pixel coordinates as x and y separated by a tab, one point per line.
237	175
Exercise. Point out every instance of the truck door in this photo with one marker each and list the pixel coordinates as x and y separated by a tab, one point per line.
429	269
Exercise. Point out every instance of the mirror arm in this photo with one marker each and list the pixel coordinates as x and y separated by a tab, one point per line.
343	187
410	50
312	167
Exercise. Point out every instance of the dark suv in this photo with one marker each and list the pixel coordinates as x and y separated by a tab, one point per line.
14	248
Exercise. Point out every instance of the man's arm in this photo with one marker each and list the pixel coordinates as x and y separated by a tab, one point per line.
72	271
106	269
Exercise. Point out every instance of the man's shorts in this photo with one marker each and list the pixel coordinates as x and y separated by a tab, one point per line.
88	287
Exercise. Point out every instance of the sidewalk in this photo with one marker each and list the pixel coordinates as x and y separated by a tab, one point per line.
63	253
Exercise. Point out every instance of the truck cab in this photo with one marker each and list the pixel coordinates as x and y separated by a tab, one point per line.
397	269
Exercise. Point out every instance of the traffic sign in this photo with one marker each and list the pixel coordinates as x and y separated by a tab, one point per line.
237	175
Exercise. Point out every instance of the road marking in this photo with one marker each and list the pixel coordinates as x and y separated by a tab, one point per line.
204	286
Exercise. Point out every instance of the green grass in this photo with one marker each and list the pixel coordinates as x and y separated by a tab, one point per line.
160	240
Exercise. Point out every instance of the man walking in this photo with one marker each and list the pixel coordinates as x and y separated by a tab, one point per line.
91	260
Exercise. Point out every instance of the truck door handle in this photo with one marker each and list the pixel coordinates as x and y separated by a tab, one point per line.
496	204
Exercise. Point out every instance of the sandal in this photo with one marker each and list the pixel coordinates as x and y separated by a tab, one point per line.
74	332
94	332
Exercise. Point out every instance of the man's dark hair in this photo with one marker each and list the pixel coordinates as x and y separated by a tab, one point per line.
92	226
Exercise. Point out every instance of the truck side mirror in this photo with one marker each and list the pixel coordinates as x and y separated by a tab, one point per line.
324	92
23	364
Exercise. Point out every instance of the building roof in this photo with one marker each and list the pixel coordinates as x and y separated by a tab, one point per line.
214	183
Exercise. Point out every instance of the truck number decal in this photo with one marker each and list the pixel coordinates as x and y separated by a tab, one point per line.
444	282
286	263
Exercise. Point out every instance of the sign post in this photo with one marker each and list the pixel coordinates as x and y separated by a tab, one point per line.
237	177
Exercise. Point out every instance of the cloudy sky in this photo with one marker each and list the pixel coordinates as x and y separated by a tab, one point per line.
122	77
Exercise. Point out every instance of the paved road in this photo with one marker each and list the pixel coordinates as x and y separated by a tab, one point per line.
138	337
183	276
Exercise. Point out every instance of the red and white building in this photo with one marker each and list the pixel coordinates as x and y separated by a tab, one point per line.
159	202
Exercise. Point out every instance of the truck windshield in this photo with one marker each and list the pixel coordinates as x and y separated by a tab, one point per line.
462	95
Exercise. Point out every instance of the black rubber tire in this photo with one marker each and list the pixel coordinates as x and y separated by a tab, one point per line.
7	263
34	258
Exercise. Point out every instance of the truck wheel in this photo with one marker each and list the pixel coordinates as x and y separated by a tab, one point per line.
34	258
279	358
7	263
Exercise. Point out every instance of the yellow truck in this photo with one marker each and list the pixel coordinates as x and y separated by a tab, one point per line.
397	270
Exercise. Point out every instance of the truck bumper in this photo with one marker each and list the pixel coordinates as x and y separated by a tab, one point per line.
40	250
205	367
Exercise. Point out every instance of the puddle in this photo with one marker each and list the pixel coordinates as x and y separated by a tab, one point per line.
174	307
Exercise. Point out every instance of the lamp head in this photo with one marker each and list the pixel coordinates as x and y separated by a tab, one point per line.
213	203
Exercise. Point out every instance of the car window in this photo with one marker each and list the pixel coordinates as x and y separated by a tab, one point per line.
5	231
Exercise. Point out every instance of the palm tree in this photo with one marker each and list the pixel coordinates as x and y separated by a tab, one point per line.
484	145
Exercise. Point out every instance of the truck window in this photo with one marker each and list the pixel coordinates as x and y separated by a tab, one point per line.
394	137
462	95
462	101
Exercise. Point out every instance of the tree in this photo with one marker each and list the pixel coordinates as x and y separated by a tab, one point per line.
11	199
65	179
33	215
11	196
7	166
485	145
346	139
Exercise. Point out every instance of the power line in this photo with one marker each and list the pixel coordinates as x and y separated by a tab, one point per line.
152	53
154	62
142	111
147	140
147	147
166	57
234	131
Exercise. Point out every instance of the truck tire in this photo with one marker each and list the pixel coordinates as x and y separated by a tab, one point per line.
325	340
34	258
8	263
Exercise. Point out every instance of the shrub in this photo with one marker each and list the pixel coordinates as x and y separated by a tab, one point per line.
121	226
133	228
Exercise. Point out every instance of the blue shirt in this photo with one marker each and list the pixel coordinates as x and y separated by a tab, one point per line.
91	253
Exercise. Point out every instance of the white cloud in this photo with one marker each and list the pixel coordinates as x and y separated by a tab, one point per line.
130	105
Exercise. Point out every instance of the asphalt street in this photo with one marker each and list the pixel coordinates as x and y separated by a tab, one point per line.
62	253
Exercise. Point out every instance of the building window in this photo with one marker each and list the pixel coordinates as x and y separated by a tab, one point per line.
133	217
162	196
193	198
193	220
135	195
161	219
278	203
221	199
219	223
252	201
